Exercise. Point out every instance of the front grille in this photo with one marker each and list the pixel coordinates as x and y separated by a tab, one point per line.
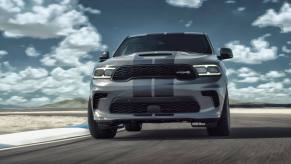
165	107
179	71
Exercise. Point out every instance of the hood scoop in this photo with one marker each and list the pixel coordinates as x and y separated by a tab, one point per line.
156	54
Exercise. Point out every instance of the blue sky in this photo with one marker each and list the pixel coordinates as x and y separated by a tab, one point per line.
48	48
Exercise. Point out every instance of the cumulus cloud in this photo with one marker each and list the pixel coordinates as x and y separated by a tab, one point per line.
259	51
89	10
288	70
5	66
33	73
71	50
271	86
69	65
186	3
279	19
66	83
270	92
31	52
22	101
38	19
287	81
248	75
15	100
286	50
271	1
3	53
275	74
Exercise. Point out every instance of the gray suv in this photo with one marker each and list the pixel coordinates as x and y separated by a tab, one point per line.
157	78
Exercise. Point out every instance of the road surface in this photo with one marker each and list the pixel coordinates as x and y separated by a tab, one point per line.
255	138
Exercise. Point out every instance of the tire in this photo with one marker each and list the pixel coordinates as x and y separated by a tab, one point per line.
95	128
223	124
133	127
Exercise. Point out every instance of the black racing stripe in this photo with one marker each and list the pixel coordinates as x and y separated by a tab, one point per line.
161	90
142	87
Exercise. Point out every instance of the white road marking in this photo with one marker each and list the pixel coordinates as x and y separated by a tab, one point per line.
49	140
43	112
260	111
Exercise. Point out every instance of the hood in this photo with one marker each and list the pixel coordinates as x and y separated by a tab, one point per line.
161	57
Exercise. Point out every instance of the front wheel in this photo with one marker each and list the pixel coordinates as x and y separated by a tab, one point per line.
222	127
99	131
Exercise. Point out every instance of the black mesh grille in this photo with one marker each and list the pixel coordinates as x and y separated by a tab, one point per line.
182	72
166	107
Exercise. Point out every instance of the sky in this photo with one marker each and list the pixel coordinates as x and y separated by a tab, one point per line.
48	48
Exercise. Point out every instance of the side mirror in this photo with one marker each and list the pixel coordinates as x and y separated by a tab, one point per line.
104	56
225	53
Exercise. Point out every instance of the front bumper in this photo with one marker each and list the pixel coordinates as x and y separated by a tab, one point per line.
210	106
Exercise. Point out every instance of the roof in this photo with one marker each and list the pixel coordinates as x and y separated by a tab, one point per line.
167	33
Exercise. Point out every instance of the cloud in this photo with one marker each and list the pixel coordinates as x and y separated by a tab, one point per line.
71	50
5	66
69	62
286	50
240	9
270	92
3	53
40	19
287	81
275	74
188	24
249	80
248	75
246	72
38	101
230	1
279	19
31	52
186	3
22	101
259	51
33	73
66	83
288	70
271	1
15	100
271	86
89	10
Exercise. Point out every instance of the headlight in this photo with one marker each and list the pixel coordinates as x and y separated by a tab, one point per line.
207	70
103	73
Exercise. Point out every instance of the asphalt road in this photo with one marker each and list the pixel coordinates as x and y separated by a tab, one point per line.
255	138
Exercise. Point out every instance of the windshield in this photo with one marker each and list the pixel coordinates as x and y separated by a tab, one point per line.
195	43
